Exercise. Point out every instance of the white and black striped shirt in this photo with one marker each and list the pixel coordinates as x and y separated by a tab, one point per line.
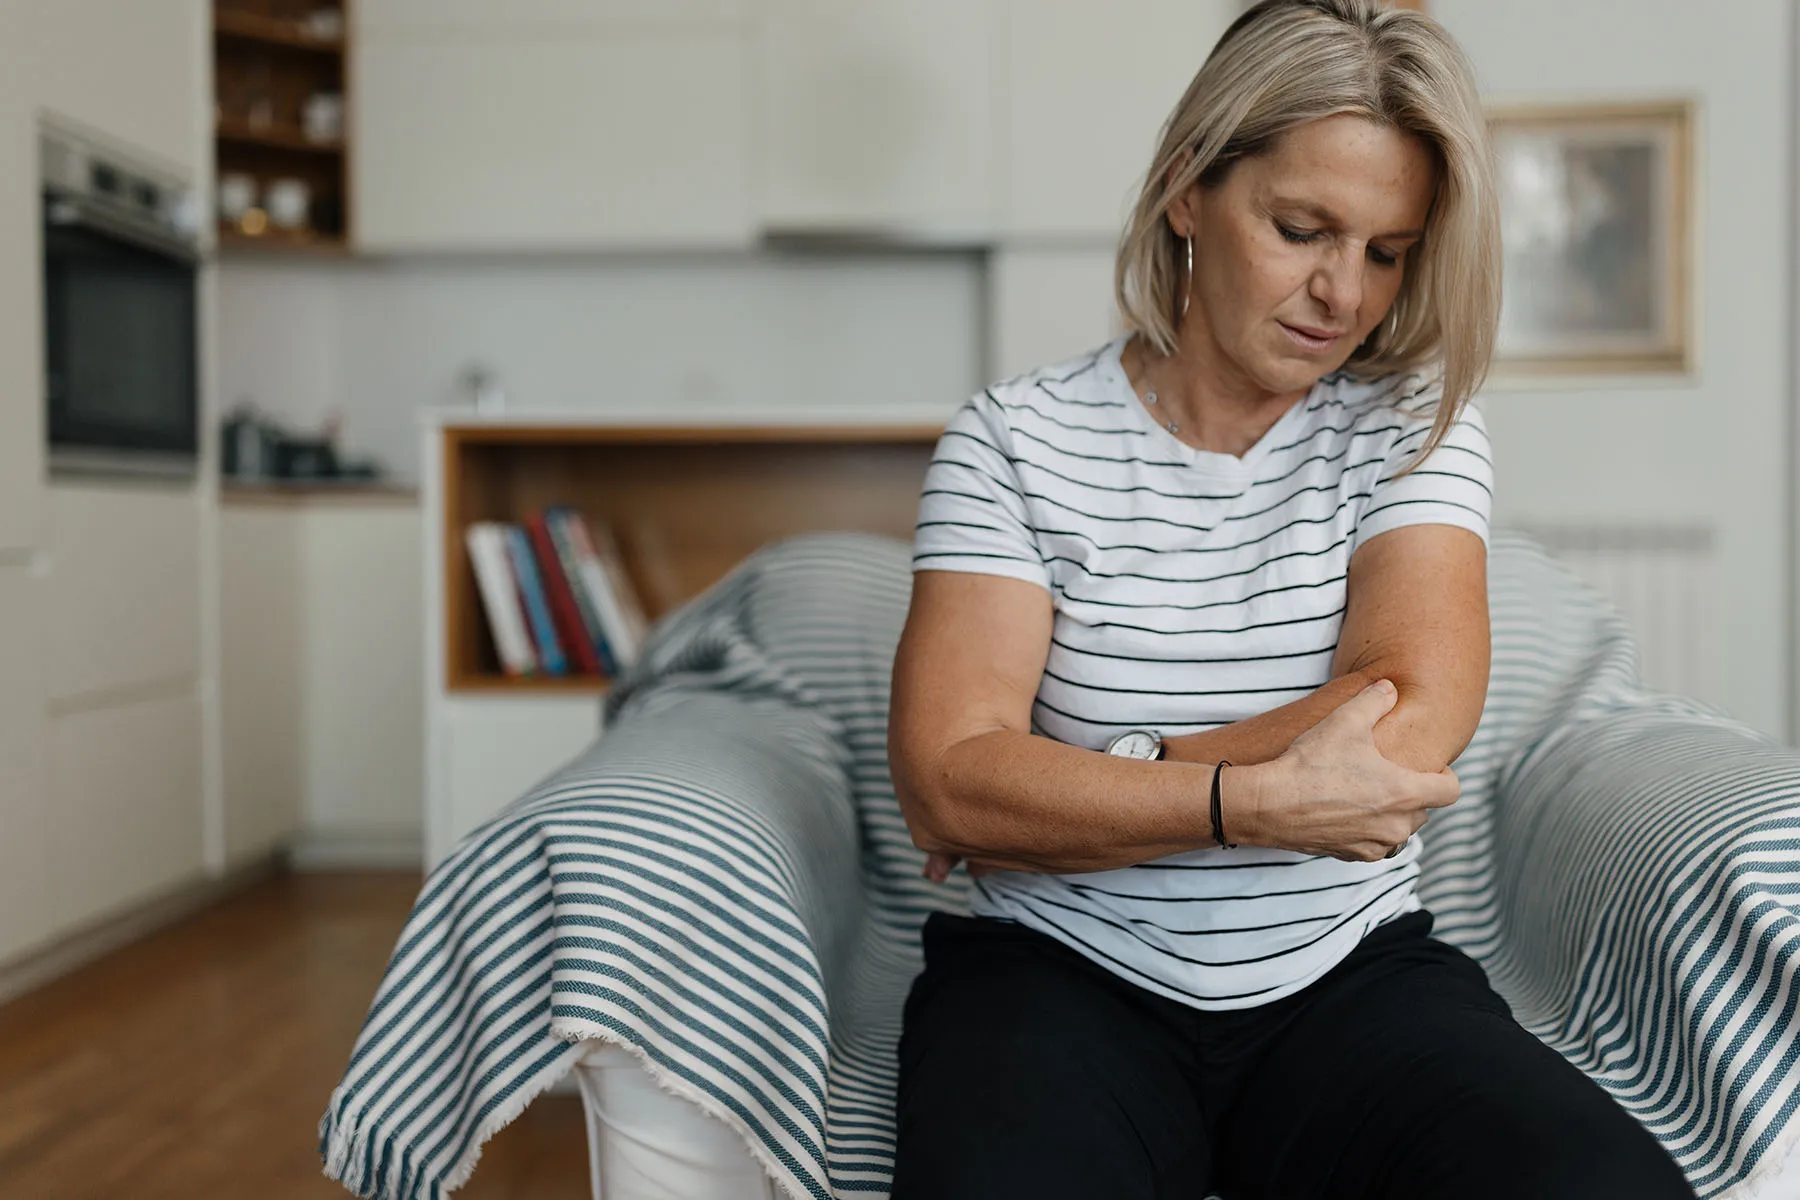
1192	589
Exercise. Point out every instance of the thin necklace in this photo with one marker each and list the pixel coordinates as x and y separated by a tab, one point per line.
1150	396
1150	399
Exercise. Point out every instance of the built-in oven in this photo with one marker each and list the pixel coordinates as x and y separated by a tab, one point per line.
121	317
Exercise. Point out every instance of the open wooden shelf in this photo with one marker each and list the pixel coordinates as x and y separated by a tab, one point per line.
244	25
266	66
278	137
685	503
283	241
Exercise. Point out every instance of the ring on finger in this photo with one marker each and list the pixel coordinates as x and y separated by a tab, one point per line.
1393	850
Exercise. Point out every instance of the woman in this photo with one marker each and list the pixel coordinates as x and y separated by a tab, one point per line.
1199	621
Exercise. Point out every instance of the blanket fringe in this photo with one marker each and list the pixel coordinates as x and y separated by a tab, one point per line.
792	1188
1767	1180
348	1139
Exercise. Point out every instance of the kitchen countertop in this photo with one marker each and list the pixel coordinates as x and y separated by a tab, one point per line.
290	492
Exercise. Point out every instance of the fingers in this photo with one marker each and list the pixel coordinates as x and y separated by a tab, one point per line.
1371	704
1439	790
939	866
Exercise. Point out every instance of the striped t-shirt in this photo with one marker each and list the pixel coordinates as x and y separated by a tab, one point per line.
1192	589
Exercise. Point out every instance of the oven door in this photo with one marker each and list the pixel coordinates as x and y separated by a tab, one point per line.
121	359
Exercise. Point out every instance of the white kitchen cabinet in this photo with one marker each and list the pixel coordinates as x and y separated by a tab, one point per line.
1088	88
877	117
261	677
124	588
364	719
24	812
493	750
513	17
324	741
135	73
125	805
610	139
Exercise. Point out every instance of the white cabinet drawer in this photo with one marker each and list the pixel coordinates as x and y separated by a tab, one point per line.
25	918
123	588
125	805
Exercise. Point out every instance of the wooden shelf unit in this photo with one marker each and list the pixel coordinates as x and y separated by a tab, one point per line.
266	63
685	503
243	23
282	241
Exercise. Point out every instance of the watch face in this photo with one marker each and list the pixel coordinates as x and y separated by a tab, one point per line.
1136	744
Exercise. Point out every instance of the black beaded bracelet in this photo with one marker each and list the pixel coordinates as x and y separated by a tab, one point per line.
1218	809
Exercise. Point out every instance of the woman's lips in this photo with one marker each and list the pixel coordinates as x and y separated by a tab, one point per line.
1311	340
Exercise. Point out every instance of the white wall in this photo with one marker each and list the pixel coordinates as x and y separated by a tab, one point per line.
379	339
1711	449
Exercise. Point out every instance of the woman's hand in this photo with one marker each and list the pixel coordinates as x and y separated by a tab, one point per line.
1333	793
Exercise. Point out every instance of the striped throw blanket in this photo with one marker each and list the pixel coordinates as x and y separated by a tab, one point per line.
723	885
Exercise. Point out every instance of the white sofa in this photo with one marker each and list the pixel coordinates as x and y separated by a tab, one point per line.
644	1144
722	886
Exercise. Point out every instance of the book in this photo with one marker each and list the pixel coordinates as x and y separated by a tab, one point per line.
571	630
623	592
557	521
598	585
490	559
537	606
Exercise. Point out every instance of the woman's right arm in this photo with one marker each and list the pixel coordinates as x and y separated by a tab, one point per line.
974	782
972	779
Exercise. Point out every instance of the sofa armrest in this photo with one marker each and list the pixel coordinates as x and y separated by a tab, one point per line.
1648	877
766	790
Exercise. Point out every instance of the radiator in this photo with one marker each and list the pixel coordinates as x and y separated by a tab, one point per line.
1662	579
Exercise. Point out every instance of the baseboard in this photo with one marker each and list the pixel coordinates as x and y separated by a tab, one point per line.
83	946
356	850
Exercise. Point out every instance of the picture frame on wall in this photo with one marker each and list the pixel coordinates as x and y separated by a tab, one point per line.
1595	210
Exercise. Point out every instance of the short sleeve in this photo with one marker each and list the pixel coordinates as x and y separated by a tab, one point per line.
972	514
1454	486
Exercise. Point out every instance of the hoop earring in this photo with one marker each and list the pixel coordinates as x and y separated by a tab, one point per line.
1187	284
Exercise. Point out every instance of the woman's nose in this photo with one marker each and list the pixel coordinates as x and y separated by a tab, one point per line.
1337	283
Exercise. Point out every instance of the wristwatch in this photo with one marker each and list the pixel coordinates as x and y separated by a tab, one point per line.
1137	743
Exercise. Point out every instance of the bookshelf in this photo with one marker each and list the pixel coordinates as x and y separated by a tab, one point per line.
685	503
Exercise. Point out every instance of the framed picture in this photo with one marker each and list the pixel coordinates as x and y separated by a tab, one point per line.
1595	212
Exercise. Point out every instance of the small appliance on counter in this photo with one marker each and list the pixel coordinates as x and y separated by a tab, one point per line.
254	448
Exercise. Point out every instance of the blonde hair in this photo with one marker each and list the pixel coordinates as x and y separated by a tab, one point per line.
1284	63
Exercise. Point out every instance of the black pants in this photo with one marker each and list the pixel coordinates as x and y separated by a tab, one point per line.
1028	1071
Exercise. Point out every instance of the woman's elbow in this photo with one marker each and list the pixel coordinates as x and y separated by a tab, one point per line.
1425	734
922	793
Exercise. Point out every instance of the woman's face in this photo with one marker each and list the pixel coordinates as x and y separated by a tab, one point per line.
1299	253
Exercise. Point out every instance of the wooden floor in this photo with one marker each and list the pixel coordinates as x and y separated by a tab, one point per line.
196	1063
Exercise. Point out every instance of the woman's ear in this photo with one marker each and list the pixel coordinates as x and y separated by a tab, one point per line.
1183	212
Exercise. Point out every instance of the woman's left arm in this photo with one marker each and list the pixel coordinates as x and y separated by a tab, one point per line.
1417	613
